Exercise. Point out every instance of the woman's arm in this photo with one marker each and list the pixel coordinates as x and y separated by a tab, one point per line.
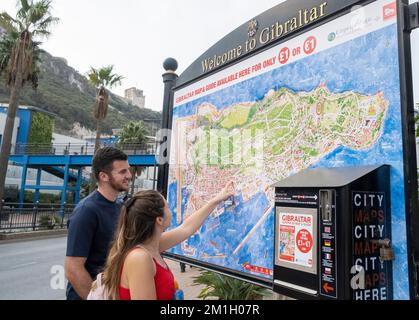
195	221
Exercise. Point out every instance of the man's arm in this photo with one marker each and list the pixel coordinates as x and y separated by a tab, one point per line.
78	276
81	231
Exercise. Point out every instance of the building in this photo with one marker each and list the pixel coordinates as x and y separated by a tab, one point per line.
47	166
105	140
136	97
25	136
154	126
26	128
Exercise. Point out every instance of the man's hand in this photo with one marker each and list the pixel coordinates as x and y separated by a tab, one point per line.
77	275
227	192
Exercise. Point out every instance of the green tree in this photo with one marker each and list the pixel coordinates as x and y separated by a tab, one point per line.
41	129
19	59
134	133
102	79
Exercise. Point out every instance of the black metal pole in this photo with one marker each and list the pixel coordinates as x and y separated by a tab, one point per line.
407	21
1	212
169	79
35	216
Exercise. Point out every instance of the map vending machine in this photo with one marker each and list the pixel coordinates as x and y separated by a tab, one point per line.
333	234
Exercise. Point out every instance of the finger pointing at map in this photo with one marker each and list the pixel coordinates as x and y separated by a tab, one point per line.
227	192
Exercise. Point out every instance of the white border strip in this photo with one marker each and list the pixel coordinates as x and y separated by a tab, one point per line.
295	287
361	21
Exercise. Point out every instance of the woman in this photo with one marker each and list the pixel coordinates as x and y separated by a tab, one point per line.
135	269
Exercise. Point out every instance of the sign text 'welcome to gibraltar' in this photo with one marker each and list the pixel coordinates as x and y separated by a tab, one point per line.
267	35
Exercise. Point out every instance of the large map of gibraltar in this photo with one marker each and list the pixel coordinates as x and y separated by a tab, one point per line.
339	107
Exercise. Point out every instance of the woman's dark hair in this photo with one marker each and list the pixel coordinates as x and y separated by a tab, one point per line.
104	159
140	214
136	225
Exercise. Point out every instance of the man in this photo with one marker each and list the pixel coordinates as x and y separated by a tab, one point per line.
92	225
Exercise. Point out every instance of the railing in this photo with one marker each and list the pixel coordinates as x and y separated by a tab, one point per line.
78	149
16	217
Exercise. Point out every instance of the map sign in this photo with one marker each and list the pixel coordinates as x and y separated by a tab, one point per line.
296	239
326	98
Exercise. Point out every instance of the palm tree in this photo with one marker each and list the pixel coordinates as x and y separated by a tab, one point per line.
134	133
101	79
19	59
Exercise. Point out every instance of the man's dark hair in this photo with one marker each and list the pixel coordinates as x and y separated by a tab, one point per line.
104	159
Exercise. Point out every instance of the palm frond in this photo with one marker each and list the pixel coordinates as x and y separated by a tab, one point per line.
134	133
103	77
35	17
41	33
115	80
8	23
93	76
38	11
45	24
6	47
226	288
22	12
105	74
19	48
25	5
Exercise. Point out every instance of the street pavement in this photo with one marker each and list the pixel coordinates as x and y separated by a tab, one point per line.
33	270
25	269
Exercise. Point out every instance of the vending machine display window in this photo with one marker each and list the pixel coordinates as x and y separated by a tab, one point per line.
296	245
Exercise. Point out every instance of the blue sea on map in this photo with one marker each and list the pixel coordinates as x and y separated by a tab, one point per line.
365	65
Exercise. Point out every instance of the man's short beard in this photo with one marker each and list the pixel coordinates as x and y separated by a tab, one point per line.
116	186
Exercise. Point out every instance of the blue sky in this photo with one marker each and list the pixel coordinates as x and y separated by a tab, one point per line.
136	36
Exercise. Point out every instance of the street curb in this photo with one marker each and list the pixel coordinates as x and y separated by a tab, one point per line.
32	235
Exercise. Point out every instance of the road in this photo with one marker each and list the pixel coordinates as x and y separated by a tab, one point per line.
32	270
27	269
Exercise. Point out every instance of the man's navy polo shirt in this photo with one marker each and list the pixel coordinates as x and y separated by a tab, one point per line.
91	229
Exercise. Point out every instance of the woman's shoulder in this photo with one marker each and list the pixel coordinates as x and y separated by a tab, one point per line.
139	253
139	257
